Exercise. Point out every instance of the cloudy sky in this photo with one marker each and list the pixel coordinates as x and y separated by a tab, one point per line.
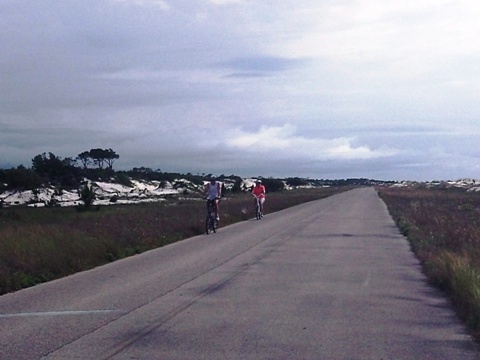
311	88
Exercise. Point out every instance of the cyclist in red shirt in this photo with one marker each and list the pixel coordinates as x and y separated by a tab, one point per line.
258	191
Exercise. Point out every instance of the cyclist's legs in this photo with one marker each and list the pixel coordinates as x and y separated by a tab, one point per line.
213	203
258	201
216	208
210	203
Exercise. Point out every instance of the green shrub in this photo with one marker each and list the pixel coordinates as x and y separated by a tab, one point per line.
87	196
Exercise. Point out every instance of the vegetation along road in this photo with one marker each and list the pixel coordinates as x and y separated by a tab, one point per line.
328	279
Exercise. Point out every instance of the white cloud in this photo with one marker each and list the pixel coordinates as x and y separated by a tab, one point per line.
161	4
283	141
225	2
404	39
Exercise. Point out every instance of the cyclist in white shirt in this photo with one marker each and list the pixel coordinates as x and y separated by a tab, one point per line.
213	192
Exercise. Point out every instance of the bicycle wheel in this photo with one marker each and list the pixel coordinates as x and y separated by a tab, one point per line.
207	225
257	211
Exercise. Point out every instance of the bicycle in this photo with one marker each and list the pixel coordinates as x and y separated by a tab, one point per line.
258	208
211	222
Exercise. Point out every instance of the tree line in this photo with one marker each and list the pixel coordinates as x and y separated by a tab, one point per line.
63	172
97	165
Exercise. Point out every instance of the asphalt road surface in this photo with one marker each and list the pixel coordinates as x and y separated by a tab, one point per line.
330	279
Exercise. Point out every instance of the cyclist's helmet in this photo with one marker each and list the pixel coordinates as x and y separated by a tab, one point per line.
258	181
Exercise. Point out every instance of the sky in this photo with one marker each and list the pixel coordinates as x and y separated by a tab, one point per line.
320	89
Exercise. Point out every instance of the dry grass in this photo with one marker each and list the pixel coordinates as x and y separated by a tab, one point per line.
443	227
38	245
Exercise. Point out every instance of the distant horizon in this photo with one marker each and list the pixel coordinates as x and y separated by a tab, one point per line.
203	174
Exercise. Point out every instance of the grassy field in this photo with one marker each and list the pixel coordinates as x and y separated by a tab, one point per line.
443	227
42	244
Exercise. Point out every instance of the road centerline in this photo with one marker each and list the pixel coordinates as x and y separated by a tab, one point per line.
58	313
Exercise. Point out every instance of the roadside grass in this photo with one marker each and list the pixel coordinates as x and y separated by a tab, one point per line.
43	244
443	227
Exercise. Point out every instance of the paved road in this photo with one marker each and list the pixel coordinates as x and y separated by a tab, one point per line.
330	279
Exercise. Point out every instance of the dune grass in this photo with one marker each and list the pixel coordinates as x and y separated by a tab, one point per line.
443	227
42	244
